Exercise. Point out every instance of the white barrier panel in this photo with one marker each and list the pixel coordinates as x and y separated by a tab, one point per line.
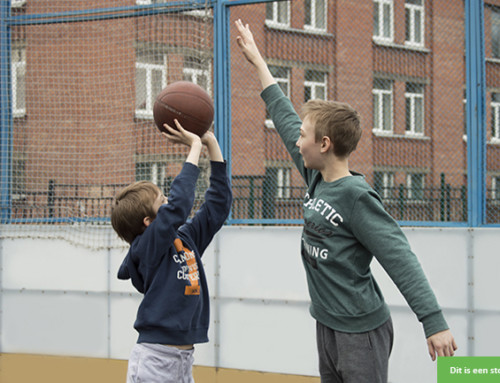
58	298
261	263
55	323
48	264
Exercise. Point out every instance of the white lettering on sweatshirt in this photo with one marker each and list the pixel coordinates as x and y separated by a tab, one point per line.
315	251
324	209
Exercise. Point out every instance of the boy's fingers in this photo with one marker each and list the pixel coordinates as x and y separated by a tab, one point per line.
432	351
178	124
170	129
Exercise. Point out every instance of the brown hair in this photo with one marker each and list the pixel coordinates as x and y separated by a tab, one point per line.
131	206
336	120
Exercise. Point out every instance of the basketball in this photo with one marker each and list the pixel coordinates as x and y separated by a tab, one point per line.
187	102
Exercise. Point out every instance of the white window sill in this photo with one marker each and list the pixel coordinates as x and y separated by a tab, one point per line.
144	115
391	44
381	133
495	141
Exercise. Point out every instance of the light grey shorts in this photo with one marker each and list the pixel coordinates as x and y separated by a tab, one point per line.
156	363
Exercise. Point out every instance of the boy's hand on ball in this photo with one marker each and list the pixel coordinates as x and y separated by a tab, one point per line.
180	135
207	138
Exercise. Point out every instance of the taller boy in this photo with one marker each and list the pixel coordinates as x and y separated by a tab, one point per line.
345	226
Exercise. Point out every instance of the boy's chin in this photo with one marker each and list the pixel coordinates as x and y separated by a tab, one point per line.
310	167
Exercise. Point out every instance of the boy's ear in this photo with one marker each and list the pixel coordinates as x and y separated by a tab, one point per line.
326	144
147	221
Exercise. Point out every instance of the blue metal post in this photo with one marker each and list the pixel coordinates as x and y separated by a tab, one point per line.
476	111
5	113
222	78
222	88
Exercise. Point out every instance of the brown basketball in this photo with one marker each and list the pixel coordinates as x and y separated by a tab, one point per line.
187	102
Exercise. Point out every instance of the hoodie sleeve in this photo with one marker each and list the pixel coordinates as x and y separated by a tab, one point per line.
214	211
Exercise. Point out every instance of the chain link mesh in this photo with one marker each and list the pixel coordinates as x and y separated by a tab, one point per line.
84	81
83	76
401	64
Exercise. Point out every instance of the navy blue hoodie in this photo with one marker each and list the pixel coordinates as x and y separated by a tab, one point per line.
164	263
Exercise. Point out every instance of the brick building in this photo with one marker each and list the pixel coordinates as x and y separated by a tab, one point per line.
400	63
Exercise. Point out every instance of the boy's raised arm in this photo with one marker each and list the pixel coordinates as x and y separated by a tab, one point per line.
249	49
214	152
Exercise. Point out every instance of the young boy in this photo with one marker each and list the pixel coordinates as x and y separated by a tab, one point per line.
164	261
345	226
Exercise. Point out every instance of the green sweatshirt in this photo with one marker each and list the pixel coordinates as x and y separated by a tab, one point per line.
345	226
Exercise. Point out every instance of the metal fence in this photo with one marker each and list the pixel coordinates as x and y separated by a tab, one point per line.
78	80
406	68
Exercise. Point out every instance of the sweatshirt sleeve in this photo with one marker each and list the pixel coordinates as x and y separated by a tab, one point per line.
287	122
160	235
381	235
214	211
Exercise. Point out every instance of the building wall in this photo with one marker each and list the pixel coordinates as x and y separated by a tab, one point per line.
64	300
80	127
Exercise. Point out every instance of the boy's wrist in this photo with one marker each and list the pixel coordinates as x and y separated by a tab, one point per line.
195	151
210	140
196	144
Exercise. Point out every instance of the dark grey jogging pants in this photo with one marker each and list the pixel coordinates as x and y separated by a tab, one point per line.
354	357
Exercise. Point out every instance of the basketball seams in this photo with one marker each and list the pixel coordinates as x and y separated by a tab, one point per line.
179	113
176	93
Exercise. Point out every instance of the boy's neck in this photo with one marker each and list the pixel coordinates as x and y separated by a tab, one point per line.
335	170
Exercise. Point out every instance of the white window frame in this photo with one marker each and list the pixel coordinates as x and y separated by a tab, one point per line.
495	119
315	85
194	75
413	10
158	172
387	191
279	80
147	112
195	12
412	97
313	27
18	65
464	104
495	33
495	188
17	3
18	186
283	183
274	22
378	35
381	95
409	186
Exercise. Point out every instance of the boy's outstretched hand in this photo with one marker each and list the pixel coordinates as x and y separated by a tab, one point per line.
249	49
441	344
247	43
